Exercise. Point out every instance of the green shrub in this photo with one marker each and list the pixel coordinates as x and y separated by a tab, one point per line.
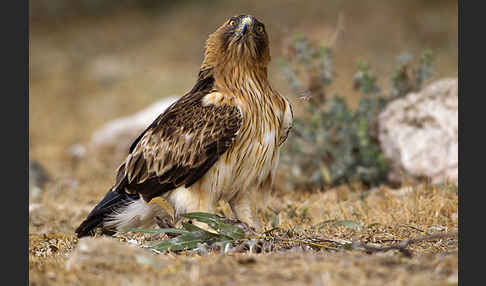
332	143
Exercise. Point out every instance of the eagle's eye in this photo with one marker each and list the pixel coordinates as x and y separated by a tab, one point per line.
260	29
232	22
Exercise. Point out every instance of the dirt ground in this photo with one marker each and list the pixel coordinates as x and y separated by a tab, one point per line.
384	217
85	71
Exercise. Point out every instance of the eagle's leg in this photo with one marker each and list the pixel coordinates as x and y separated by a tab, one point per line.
245	209
193	199
165	222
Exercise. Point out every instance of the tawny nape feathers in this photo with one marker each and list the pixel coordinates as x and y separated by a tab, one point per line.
219	141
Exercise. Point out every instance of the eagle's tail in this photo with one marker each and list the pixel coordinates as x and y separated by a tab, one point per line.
118	212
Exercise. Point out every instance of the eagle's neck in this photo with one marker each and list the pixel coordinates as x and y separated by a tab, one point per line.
242	80
234	76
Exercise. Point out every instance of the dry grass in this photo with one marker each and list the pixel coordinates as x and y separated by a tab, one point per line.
70	98
386	216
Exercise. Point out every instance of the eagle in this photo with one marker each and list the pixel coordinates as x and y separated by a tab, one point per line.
219	141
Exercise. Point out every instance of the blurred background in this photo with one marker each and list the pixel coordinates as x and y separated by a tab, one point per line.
94	61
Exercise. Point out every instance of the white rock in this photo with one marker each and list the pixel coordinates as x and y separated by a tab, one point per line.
33	207
419	133
77	151
119	133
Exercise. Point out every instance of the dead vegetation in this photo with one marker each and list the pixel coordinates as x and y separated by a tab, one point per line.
405	237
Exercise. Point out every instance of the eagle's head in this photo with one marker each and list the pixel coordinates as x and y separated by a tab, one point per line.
244	36
241	39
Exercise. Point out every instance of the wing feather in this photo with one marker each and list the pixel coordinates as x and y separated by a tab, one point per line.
179	147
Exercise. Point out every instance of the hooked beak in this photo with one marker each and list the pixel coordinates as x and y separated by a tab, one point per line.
245	26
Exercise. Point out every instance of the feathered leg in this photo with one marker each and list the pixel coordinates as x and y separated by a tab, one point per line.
187	200
244	207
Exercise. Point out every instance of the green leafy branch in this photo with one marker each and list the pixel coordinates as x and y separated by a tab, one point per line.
193	238
190	236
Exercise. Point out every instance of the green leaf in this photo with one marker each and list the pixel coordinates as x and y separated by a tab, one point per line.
217	223
349	224
187	241
275	221
190	227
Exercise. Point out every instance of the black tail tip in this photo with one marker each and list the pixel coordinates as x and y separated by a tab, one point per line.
87	227
111	202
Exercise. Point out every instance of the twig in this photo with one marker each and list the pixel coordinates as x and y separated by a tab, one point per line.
413	227
401	246
338	31
437	235
305	242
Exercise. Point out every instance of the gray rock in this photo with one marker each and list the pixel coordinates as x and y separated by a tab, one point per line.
38	177
419	133
119	133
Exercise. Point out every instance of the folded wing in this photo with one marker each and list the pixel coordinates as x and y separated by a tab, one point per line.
179	147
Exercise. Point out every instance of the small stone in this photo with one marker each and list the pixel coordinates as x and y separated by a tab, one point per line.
38	177
77	151
93	252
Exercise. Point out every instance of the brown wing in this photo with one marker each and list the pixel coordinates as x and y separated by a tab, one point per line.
178	147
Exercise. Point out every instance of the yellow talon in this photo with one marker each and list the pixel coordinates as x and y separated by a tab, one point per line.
162	203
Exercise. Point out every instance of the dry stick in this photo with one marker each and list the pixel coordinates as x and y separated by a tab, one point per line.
294	241
402	244
413	227
338	31
306	242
